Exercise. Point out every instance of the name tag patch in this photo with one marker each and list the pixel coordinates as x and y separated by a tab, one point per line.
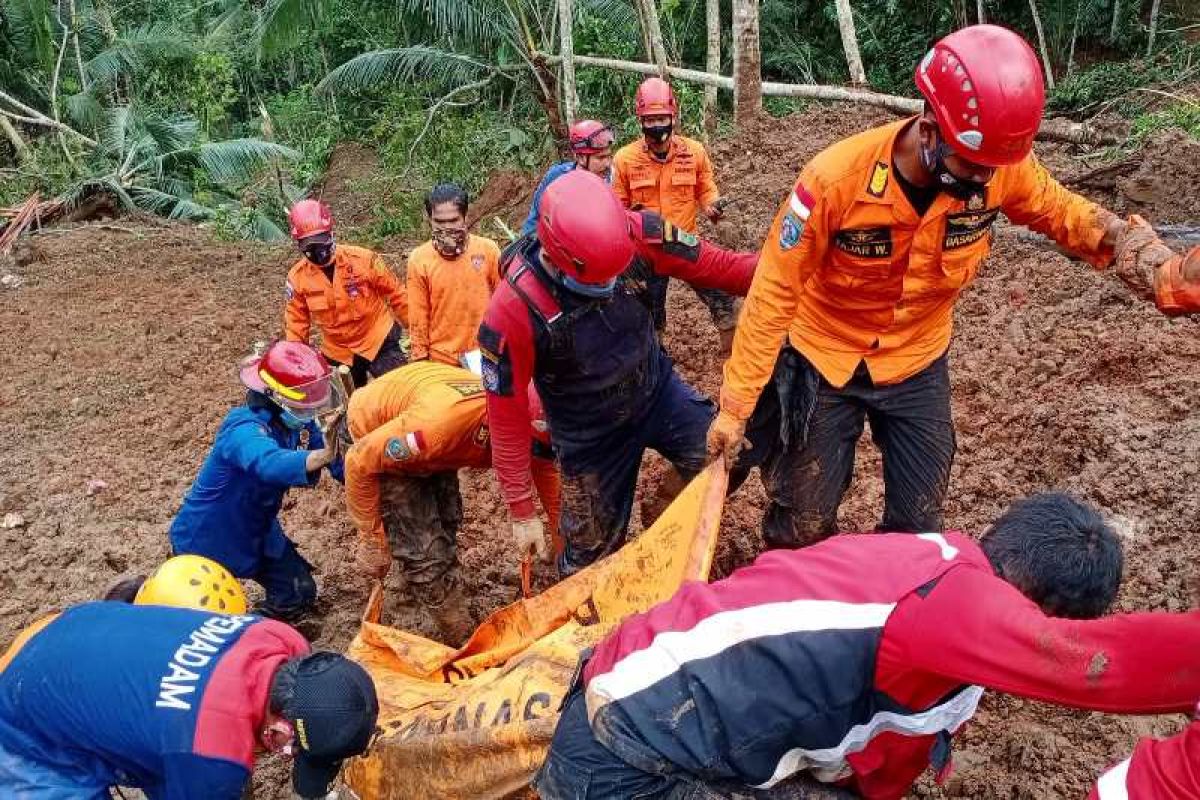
968	228
865	242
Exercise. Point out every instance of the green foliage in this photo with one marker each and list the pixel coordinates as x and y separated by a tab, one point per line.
1183	115
211	90
1115	84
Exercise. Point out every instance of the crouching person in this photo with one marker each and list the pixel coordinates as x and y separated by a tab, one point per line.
175	702
263	448
413	430
854	662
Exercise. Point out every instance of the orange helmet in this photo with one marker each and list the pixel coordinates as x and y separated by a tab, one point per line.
985	86
310	217
654	96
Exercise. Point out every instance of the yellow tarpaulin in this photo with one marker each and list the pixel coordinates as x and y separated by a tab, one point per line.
476	722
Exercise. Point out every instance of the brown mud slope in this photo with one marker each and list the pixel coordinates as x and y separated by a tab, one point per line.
118	353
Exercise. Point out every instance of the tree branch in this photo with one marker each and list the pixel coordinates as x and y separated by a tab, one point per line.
14	138
34	117
433	109
1055	130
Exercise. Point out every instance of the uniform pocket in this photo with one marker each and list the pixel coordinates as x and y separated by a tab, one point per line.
319	306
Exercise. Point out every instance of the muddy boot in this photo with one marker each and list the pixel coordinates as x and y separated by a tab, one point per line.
453	616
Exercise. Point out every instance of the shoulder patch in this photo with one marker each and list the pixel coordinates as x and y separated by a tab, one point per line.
879	180
288	290
397	449
790	231
802	202
466	388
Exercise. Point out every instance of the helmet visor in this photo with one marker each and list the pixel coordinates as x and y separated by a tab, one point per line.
306	398
595	142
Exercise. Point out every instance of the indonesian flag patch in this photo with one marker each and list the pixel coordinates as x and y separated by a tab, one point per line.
802	202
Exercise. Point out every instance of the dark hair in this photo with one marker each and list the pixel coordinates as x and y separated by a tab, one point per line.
1059	552
126	590
446	193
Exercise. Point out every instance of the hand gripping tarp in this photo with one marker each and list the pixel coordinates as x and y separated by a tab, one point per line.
476	722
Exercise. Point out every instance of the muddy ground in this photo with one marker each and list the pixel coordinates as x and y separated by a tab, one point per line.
119	348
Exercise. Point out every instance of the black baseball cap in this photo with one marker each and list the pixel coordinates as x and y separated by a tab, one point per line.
331	703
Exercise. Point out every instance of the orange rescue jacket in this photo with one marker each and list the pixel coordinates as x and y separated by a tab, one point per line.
447	298
421	419
850	273
354	312
677	188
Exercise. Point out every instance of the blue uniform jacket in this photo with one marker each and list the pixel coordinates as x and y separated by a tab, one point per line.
553	174
230	513
169	700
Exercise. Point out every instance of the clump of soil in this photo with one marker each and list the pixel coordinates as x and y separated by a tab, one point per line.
349	185
119	351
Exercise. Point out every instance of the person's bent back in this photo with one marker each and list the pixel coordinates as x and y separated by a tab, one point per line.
856	660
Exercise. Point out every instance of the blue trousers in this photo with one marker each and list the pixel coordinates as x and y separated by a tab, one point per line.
598	482
288	581
25	779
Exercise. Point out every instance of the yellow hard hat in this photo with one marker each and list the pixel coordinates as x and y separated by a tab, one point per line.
193	582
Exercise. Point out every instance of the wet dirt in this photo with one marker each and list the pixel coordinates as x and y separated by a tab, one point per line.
119	353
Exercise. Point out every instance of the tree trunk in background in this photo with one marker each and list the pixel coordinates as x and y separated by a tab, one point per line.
549	99
1041	34
1116	18
653	32
712	64
20	149
979	11
566	33
845	15
747	62
1153	26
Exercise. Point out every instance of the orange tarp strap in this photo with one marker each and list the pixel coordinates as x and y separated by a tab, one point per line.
476	722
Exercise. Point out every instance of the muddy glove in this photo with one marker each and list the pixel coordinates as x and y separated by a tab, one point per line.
1137	256
374	555
528	534
1177	284
716	211
726	437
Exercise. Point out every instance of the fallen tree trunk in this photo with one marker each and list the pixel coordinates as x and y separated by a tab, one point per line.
1052	130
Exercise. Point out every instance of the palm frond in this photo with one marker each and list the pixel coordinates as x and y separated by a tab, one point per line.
165	204
265	229
470	21
384	68
85	111
115	133
31	25
282	23
137	49
235	160
619	13
88	187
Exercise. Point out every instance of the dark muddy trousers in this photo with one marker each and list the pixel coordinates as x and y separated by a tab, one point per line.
719	304
804	433
598	482
389	357
580	768
289	585
421	515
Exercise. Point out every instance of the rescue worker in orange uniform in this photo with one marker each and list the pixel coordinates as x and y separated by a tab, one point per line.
667	172
450	280
860	272
413	430
355	299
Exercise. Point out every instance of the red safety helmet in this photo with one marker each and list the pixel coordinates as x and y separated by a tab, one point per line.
654	97
985	85
584	230
310	217
589	137
290	373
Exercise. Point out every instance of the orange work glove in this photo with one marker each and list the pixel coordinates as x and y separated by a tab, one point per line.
1177	284
374	557
726	437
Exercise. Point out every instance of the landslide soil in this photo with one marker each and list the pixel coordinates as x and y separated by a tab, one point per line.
119	349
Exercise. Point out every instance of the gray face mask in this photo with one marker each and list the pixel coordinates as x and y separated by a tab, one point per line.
319	253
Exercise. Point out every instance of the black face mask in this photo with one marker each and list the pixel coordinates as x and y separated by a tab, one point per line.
320	253
658	134
959	188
